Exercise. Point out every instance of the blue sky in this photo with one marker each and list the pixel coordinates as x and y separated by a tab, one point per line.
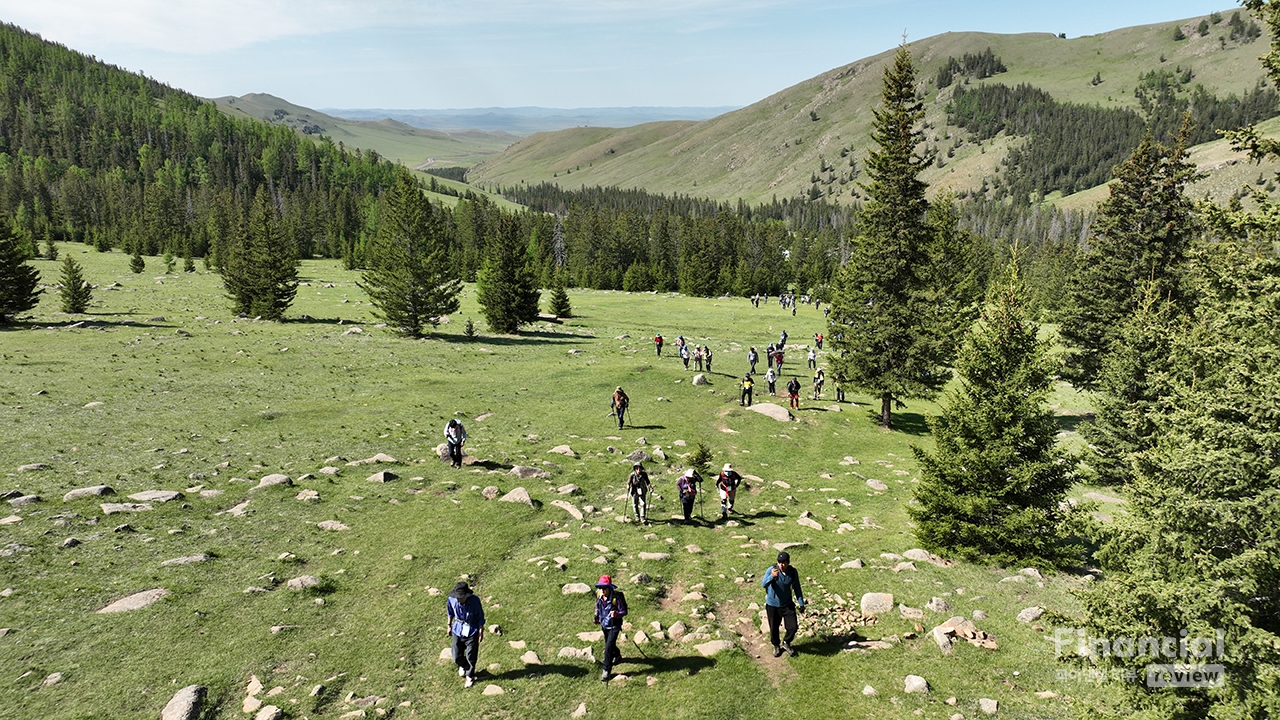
571	53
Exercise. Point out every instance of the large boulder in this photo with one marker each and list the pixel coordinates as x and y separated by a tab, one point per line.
877	485
915	684
569	508
273	480
95	491
136	601
576	589
185	704
383	476
639	456
700	379
1030	614
517	495
524	472
777	412
876	603
562	450
161	496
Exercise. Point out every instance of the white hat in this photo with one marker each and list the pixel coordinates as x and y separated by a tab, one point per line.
688	473
728	467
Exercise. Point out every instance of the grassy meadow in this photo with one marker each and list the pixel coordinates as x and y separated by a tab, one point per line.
158	387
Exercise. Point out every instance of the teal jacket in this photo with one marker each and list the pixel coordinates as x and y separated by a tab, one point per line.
777	590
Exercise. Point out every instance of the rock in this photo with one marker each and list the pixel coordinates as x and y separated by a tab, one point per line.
185	704
568	507
777	412
95	491
531	658
938	605
563	450
524	472
33	467
1030	614
187	560
160	496
1046	694
573	653
273	480
136	601
1014	579
239	510
307	494
639	456
700	379
382	476
25	500
640	638
915	684
692	549
641	579
491	492
332	525
517	495
269	712
877	485
869	691
809	523
380	458
329	470
988	706
11	520
876	603
581	711
654	556
302	582
557	536
52	679
693	596
708	649
942	635
677	631
979	615
926	556
70	543
593	636
1032	573
910	613
575	589
853	564
569	489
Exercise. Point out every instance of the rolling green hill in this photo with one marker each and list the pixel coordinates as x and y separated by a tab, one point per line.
393	140
776	146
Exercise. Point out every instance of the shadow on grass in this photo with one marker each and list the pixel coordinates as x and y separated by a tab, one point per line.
529	337
686	664
93	321
904	422
826	647
561	669
646	427
1070	423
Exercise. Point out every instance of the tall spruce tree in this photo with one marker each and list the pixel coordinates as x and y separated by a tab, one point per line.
890	337
992	489
1141	238
560	306
410	280
19	282
136	263
260	272
505	285
76	292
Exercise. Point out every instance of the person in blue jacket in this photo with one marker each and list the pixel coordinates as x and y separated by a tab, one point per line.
466	628
611	607
780	581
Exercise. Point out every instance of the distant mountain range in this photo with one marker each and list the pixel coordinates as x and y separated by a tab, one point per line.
529	120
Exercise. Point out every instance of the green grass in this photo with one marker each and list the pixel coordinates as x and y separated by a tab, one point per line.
770	148
184	394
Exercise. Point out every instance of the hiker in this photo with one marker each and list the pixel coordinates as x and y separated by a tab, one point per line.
826	312
619	403
771	377
611	607
657	343
839	382
793	392
706	352
466	628
769	353
747	384
455	436
779	581
687	486
727	483
777	361
638	488
697	358
813	359
753	357
818	339
684	355
818	380
782	340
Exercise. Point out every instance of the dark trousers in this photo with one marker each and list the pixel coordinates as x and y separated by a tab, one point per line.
621	412
611	653
455	454
686	502
659	347
781	616
465	652
772	390
746	397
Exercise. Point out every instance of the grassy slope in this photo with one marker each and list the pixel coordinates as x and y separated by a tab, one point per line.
393	140
268	397
771	147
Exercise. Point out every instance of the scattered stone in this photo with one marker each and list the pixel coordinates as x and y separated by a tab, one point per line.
1032	573
382	476
869	691
915	684
877	485
308	494
700	379
575	589
569	489
491	492
333	525
654	556
531	658
979	614
557	536
853	564
692	549
693	596
876	603
239	510
938	605
568	507
380	458
25	500
95	491
70	543
581	711
1046	694
185	704
563	450
33	467
677	631
160	496
639	456
926	556
592	636
573	653
810	523
517	495
1014	579
910	613
524	472
1030	614
329	470
187	560
302	582
11	520
269	712
272	480
316	691
708	649
988	706
777	412
52	679
136	601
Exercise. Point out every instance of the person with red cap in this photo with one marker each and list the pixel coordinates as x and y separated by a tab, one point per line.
611	607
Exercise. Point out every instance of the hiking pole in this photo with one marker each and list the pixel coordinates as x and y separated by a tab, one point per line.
633	642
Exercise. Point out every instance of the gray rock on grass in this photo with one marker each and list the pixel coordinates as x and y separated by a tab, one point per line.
382	476
915	684
332	525
187	560
185	704
303	582
777	412
94	491
1030	614
517	495
113	508
158	496
136	601
273	480
25	500
876	603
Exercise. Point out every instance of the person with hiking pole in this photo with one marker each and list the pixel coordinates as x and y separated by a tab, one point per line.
727	483
772	378
747	384
657	343
619	402
818	379
684	355
687	486
706	352
813	358
466	629
611	607
638	487
455	436
780	581
793	392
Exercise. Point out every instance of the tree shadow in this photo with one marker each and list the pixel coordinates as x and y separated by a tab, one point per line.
1070	423
905	422
532	337
93	323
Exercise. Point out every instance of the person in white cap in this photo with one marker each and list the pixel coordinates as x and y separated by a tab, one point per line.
687	486
727	483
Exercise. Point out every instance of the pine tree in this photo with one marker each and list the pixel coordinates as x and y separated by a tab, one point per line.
1141	238
409	280
18	281
260	273
136	263
890	338
992	489
50	249
75	291
505	286
560	299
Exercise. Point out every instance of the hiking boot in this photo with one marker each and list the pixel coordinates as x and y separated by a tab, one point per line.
462	672
777	651
470	681
790	650
604	676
